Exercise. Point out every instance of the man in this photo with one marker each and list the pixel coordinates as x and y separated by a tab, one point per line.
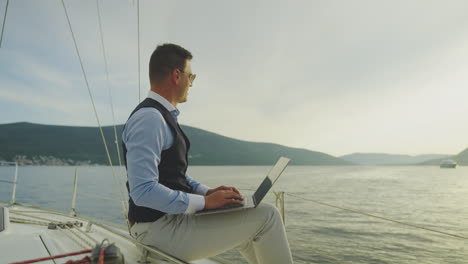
163	198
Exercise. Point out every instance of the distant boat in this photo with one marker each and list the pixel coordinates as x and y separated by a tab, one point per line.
448	164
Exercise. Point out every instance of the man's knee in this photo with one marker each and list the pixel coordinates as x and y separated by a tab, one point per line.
270	220
268	210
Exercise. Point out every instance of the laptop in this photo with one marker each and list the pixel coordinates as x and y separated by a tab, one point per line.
254	200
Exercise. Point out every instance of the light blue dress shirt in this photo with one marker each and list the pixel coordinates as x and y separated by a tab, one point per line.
146	135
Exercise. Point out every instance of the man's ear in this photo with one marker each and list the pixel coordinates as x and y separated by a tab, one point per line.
175	76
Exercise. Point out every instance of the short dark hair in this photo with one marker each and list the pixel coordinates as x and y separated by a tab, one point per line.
165	59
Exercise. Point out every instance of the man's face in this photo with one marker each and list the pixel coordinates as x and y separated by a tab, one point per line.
185	82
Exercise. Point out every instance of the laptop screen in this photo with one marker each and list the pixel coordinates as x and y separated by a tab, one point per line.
270	179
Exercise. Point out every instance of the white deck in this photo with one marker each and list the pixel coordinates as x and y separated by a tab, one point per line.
20	241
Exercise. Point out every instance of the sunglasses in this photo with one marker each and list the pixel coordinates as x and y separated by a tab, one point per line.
190	76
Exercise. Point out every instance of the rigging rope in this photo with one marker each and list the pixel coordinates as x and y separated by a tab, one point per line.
81	241
82	193
64	227
27	221
372	215
86	243
12	182
48	211
106	227
4	21
117	181
95	112
54	257
379	217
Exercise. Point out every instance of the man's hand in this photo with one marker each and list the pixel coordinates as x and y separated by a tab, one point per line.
222	188
221	197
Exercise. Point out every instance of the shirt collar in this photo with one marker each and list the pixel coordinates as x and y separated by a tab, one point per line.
164	102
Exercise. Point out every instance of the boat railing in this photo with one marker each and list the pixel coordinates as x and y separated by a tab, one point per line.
14	182
15	178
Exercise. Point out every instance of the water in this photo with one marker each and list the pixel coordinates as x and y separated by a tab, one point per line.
426	196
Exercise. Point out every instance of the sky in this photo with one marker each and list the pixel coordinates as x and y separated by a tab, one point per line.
337	77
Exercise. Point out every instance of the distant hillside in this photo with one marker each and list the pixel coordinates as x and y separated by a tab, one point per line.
84	145
461	159
389	159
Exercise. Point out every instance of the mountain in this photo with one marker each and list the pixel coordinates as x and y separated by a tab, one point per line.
41	144
461	159
390	159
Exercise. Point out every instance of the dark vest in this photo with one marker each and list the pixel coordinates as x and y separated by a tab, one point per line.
172	166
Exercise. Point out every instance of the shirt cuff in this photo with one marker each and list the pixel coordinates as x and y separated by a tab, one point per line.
201	189
196	203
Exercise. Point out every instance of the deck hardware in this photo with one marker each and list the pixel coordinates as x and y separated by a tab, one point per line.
279	202
144	256
88	226
75	186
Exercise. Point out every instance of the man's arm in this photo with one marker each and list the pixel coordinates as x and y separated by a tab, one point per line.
215	198
198	188
145	139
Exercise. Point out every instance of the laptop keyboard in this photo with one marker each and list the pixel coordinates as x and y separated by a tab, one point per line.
227	206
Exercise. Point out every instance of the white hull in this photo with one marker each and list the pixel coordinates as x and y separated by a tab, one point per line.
26	236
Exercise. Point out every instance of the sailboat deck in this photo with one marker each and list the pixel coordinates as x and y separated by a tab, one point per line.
27	236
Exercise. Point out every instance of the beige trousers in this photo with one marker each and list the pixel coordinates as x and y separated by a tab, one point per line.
258	233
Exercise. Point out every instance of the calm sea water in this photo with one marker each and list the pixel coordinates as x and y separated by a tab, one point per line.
425	196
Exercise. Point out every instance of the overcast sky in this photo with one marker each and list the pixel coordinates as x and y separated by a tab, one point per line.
332	76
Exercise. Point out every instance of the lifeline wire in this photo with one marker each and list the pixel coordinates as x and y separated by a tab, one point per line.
94	107
118	182
105	227
73	235
380	217
4	21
